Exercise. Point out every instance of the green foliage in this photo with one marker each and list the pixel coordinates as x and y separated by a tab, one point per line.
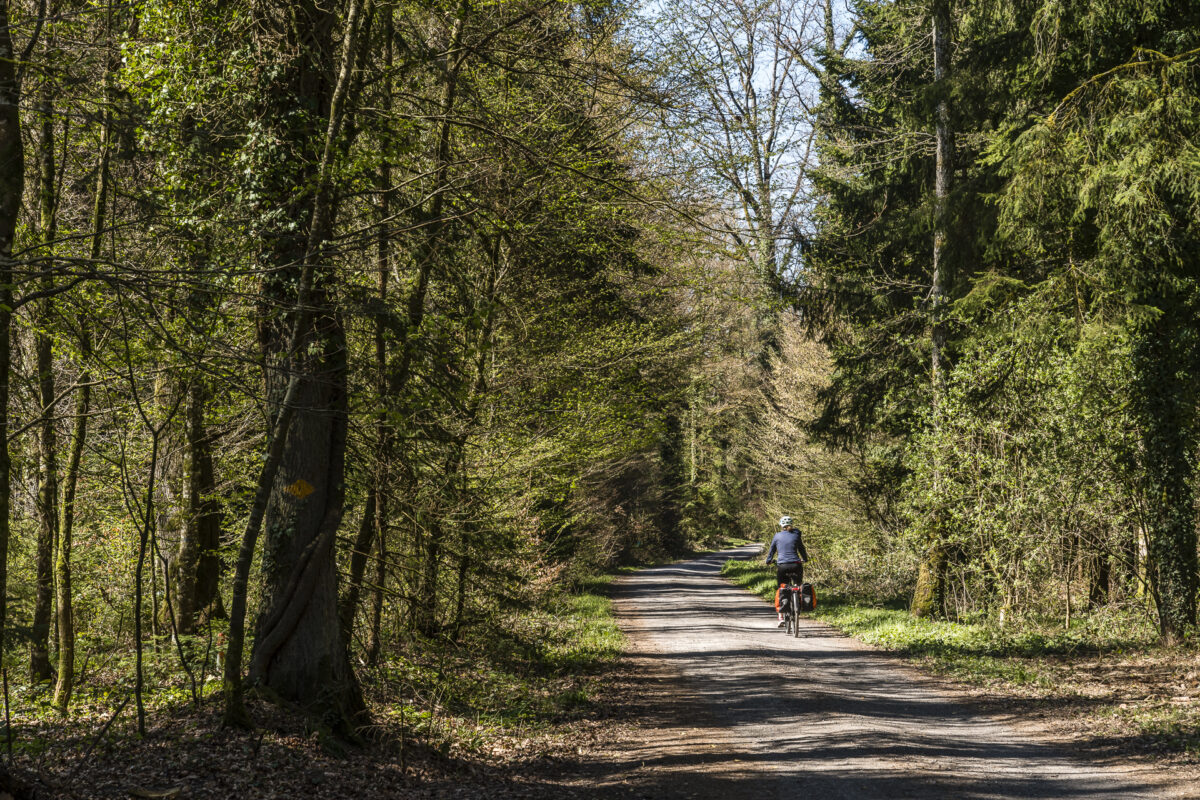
1034	464
1065	440
522	318
1115	167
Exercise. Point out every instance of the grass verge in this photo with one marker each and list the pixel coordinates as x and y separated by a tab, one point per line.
1105	671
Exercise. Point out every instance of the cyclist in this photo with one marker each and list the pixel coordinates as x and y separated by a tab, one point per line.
787	548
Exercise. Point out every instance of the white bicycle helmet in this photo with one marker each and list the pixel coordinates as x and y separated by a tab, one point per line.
785	521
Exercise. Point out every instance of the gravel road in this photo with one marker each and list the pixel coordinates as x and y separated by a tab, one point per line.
731	707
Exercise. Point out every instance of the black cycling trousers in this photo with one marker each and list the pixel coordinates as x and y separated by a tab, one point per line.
795	571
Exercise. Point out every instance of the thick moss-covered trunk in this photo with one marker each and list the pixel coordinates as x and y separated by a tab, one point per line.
1165	396
299	652
929	595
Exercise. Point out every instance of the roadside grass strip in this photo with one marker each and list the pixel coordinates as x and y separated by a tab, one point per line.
976	651
1086	667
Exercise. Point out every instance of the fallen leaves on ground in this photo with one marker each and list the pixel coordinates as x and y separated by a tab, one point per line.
187	755
1143	705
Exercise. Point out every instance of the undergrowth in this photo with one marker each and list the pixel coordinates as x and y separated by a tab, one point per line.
509	674
518	674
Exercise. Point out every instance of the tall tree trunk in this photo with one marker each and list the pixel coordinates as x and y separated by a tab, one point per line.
170	501
427	254
299	652
145	537
374	516
363	542
47	497
197	584
375	633
929	594
188	556
12	187
205	519
385	432
66	618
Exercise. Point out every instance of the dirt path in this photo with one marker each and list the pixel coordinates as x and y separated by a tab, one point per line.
730	707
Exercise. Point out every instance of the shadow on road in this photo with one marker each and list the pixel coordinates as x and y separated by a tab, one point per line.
729	707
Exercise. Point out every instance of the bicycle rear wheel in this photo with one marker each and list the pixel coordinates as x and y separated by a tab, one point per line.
796	613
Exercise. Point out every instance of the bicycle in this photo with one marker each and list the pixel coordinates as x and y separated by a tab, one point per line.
793	599
789	603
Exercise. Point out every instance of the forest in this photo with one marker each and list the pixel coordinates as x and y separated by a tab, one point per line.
337	336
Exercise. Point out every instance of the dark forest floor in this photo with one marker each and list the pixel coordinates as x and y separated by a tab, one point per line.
506	710
187	755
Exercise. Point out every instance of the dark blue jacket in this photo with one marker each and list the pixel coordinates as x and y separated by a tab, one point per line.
788	546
